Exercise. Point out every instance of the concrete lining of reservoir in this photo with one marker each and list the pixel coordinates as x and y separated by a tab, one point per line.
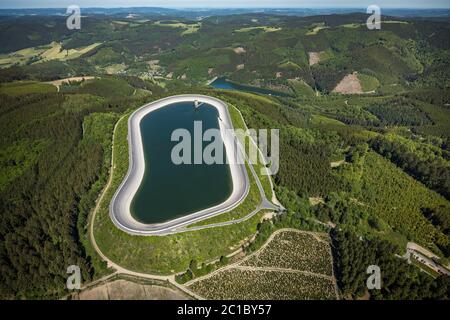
120	206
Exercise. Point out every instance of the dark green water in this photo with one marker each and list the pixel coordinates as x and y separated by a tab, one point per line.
170	191
223	83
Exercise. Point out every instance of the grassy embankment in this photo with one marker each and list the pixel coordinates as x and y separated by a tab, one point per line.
155	254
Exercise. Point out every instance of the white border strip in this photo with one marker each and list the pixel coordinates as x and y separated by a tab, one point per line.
119	209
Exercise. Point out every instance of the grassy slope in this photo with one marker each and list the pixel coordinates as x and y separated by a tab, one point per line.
301	88
368	83
52	51
98	128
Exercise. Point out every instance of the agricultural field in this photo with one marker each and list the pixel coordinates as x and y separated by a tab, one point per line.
187	28
56	52
262	28
315	28
291	265
237	284
20	57
129	289
52	51
297	251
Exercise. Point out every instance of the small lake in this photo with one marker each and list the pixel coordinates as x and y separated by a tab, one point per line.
169	191
223	83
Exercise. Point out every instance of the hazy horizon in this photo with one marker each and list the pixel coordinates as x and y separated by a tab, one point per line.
226	4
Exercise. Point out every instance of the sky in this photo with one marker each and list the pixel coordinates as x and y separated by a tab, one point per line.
227	3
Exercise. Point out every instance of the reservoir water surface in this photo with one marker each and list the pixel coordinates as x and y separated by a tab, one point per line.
224	83
169	191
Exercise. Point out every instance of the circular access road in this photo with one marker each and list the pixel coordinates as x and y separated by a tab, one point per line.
119	208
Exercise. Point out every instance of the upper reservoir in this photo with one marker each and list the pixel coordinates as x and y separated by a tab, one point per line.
223	83
169	191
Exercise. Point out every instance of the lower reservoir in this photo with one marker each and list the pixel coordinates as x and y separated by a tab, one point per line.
169	191
224	83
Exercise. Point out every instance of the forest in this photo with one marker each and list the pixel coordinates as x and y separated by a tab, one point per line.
50	161
431	168
400	281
